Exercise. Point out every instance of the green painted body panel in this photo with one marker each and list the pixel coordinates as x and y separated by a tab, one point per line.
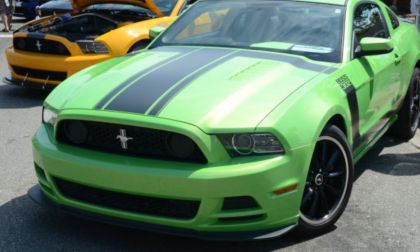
240	86
241	94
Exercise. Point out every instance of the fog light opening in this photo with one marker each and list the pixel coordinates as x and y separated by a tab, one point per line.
180	146
257	217
237	203
76	132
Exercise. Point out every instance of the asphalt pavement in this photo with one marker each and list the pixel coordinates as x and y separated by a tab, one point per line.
383	213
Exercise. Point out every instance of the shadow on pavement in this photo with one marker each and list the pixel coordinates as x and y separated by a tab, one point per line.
404	164
16	97
27	227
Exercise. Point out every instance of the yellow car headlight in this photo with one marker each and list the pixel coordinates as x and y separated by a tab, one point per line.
92	47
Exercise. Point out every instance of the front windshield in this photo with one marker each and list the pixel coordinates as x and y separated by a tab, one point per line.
308	29
122	12
165	7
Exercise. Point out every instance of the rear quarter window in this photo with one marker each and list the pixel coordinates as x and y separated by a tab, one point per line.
394	19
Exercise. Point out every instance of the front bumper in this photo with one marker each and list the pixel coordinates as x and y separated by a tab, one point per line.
36	194
46	63
210	184
27	84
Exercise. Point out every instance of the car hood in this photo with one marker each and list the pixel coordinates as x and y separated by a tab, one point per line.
212	88
149	4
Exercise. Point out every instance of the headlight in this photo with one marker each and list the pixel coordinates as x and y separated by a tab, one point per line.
251	144
48	116
89	46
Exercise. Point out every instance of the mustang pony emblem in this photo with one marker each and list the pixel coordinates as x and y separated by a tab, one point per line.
38	45
123	139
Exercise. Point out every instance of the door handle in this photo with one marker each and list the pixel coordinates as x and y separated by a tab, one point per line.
397	58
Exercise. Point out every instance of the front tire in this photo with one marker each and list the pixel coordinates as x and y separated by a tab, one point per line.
328	185
408	117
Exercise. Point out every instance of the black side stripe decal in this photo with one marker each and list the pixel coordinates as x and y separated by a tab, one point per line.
345	83
355	117
133	78
140	96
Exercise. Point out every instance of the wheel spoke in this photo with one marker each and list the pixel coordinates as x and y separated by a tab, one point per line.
307	197
333	190
324	153
314	206
315	162
335	174
324	201
332	160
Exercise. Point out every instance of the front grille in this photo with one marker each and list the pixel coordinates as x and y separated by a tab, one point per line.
172	208
141	142
39	45
40	74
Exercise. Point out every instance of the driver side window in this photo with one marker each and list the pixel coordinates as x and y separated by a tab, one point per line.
369	22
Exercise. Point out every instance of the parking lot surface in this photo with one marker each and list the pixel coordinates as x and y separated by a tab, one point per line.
383	213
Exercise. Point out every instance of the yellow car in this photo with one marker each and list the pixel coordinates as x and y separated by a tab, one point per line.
48	50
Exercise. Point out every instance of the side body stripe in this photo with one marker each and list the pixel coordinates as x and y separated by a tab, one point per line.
355	116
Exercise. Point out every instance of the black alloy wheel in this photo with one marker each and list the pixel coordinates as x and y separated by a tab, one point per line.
415	104
328	184
409	115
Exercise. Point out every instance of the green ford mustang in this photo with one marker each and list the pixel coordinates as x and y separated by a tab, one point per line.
243	120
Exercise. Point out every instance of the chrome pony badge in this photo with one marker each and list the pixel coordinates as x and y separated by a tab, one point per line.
38	45
123	139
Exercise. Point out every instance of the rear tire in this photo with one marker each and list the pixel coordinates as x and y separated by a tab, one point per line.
408	117
328	185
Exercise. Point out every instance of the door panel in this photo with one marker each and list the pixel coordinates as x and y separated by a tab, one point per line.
377	80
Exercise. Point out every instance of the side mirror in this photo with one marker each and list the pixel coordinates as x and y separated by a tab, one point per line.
375	46
155	31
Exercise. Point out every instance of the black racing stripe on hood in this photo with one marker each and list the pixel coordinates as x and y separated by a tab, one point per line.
181	52
165	100
295	61
140	96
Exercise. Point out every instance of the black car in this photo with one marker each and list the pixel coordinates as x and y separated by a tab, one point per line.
26	8
54	7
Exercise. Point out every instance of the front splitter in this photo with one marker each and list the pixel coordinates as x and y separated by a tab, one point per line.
36	194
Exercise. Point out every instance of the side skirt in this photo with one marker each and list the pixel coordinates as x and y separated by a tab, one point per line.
361	151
